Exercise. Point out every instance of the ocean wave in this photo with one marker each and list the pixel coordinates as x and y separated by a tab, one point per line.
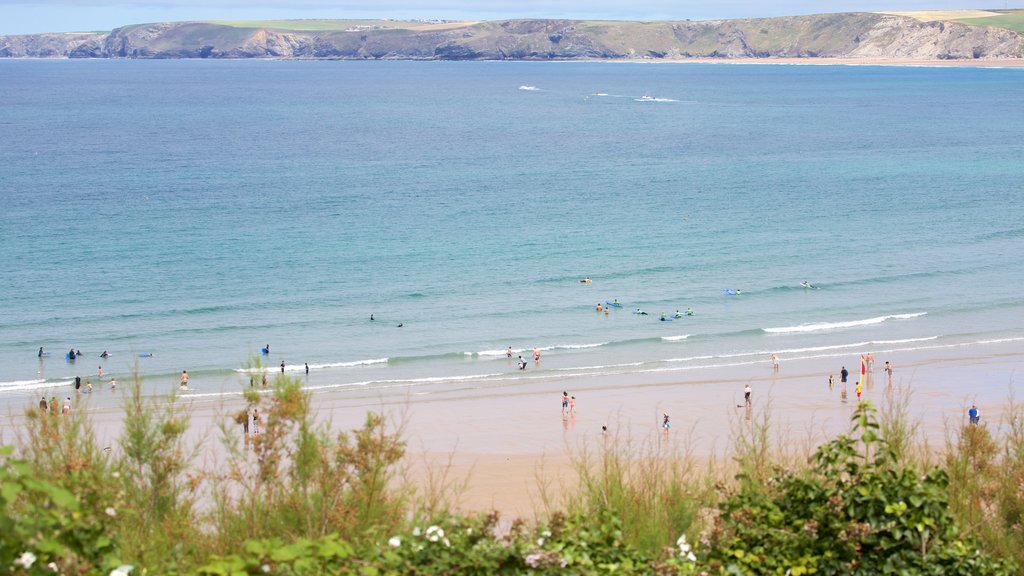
528	88
16	385
302	367
675	338
837	325
499	353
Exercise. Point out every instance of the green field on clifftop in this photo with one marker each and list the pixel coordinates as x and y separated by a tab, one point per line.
1013	20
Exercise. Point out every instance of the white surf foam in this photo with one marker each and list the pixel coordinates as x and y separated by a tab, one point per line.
528	88
837	325
675	338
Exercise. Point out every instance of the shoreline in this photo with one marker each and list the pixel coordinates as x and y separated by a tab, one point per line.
1000	63
501	444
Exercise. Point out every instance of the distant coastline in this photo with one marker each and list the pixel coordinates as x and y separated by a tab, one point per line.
934	38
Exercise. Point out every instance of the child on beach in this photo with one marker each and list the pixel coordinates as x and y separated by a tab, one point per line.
831	383
746	395
565	401
184	380
572	405
666	425
775	362
536	354
860	389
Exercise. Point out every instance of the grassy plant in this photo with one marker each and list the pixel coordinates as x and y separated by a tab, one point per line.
298	479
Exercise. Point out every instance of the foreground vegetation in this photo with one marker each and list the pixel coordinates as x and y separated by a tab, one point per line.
301	499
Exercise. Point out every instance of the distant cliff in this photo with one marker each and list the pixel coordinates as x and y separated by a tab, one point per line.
854	35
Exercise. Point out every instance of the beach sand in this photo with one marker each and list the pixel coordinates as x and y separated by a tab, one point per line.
502	444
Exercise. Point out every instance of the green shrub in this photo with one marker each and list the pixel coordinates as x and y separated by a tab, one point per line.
856	511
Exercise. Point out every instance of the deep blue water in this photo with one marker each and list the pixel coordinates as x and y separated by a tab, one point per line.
198	210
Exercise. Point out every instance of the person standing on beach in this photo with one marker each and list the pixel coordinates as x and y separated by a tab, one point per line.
264	379
184	380
66	408
508	352
43	405
282	366
974	415
572	405
100	370
307	368
888	370
843	374
666	424
53	404
775	362
255	421
831	383
859	390
78	383
565	402
536	354
746	395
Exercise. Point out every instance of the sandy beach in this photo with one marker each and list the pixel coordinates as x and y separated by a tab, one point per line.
497	446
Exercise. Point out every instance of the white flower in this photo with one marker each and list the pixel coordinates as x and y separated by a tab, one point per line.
546	533
26	560
684	548
265	568
435	533
395	542
540	541
123	570
53	567
416	531
691	557
110	511
447	544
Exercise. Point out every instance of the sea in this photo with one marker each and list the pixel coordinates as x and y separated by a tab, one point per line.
186	214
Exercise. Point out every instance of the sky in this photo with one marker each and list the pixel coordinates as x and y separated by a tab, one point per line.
21	17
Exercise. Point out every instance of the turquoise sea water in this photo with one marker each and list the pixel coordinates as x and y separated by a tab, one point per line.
198	210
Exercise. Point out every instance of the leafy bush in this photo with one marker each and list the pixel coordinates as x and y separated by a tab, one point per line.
856	511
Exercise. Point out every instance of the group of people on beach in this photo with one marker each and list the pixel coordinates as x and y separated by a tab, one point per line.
51	406
521	362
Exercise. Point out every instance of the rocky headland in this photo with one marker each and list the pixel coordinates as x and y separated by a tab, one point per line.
845	36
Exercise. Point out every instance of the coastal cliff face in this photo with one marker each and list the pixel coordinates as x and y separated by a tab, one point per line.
855	35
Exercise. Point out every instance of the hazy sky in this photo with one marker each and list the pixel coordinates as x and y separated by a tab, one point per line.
21	17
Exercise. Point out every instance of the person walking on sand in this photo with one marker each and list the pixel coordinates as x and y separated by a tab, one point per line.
43	405
888	370
565	402
184	380
775	362
572	405
666	424
974	415
843	374
746	395
831	383
859	389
